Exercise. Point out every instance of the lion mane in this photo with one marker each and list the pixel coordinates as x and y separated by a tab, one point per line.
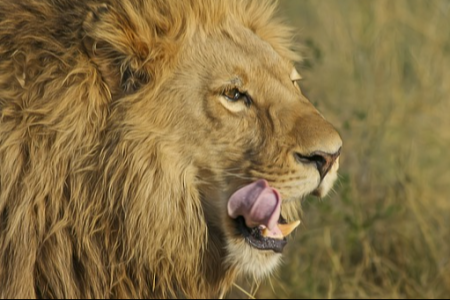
100	195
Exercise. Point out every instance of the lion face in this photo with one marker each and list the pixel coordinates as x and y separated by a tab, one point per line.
248	121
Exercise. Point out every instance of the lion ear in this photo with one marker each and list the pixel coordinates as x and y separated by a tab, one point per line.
112	43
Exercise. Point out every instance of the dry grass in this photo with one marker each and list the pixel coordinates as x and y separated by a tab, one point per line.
380	71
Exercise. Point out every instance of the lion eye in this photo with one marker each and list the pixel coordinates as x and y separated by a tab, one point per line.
234	95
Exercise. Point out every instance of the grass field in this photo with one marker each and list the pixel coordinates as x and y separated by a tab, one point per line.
380	71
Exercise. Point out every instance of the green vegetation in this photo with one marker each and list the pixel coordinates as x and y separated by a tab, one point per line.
380	71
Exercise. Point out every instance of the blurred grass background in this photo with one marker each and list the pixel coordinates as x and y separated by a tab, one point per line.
380	72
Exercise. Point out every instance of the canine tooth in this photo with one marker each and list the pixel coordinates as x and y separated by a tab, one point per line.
266	233
287	229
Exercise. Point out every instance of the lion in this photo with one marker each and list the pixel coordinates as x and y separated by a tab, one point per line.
151	149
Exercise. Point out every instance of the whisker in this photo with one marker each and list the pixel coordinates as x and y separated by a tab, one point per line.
243	291
240	176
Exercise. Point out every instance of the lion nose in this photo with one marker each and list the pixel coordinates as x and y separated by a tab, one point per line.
323	161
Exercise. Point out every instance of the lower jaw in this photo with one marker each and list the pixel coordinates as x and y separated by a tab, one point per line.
246	260
254	238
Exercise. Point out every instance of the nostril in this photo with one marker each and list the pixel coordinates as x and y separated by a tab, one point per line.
319	160
322	160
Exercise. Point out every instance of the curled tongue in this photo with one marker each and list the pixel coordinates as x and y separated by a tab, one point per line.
260	205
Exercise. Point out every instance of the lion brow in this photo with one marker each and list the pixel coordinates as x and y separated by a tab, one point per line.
237	81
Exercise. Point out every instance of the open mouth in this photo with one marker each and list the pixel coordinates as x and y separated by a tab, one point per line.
255	237
256	209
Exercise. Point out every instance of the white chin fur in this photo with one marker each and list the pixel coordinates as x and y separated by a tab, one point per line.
251	261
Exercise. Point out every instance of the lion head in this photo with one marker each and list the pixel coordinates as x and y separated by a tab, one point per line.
161	147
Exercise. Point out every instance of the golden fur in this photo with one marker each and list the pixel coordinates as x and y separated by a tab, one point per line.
118	150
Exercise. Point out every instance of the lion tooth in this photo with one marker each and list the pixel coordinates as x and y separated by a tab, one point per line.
287	229
282	231
268	234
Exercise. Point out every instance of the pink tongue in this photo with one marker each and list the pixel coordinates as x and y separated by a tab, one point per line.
258	203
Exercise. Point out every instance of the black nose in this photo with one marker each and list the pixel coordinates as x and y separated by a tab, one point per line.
323	161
